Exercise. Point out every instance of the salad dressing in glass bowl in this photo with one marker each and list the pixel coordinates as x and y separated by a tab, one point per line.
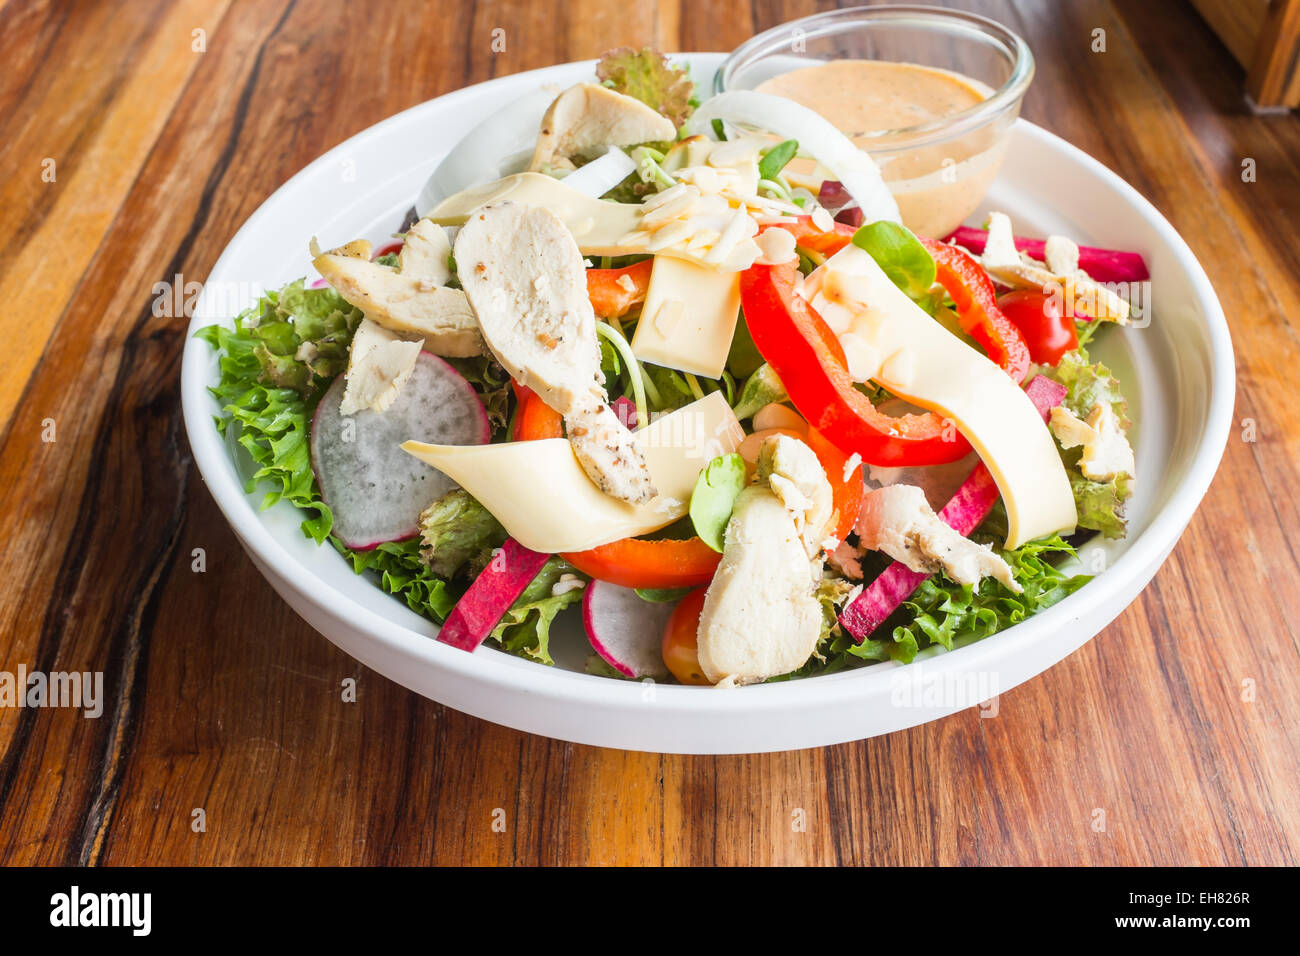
936	186
929	93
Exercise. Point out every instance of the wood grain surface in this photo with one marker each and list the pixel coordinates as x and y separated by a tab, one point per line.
1178	727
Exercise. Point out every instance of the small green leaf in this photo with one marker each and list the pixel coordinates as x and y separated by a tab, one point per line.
456	529
662	595
743	356
761	388
776	158
900	254
714	496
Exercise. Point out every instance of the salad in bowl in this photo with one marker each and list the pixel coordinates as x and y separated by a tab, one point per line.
682	364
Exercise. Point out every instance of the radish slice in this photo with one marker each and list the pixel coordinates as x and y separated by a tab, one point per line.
963	513
625	630
856	170
1103	265
499	146
375	489
601	175
511	570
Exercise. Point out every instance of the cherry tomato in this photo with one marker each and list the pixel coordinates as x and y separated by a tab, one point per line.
1048	333
679	646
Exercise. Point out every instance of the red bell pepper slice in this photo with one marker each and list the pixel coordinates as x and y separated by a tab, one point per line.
534	418
809	236
976	300
613	292
646	563
810	362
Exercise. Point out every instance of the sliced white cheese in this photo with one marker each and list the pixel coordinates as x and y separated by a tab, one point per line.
688	318
379	363
598	226
919	360
546	502
707	218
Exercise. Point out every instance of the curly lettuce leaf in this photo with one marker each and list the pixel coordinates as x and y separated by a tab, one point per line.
525	629
303	336
271	424
456	531
941	612
402	573
1100	504
1088	383
647	76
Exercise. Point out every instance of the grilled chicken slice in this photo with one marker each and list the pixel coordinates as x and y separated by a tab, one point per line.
356	249
379	363
426	253
761	617
794	474
415	308
524	277
900	522
1006	264
589	118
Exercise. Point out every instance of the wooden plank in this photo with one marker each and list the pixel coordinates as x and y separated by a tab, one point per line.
1239	23
220	698
37	285
1273	76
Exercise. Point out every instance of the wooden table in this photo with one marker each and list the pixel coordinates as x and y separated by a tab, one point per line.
134	147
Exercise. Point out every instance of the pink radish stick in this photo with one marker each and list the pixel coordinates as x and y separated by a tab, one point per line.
509	572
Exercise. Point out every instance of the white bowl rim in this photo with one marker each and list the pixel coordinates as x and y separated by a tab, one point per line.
540	683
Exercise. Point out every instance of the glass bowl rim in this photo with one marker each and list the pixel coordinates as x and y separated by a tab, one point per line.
832	22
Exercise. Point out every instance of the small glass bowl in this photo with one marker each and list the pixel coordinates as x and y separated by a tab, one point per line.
939	170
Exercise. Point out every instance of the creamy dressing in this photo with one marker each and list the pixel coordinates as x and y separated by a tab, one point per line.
937	185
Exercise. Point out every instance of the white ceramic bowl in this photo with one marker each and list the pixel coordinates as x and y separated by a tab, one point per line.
1178	373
